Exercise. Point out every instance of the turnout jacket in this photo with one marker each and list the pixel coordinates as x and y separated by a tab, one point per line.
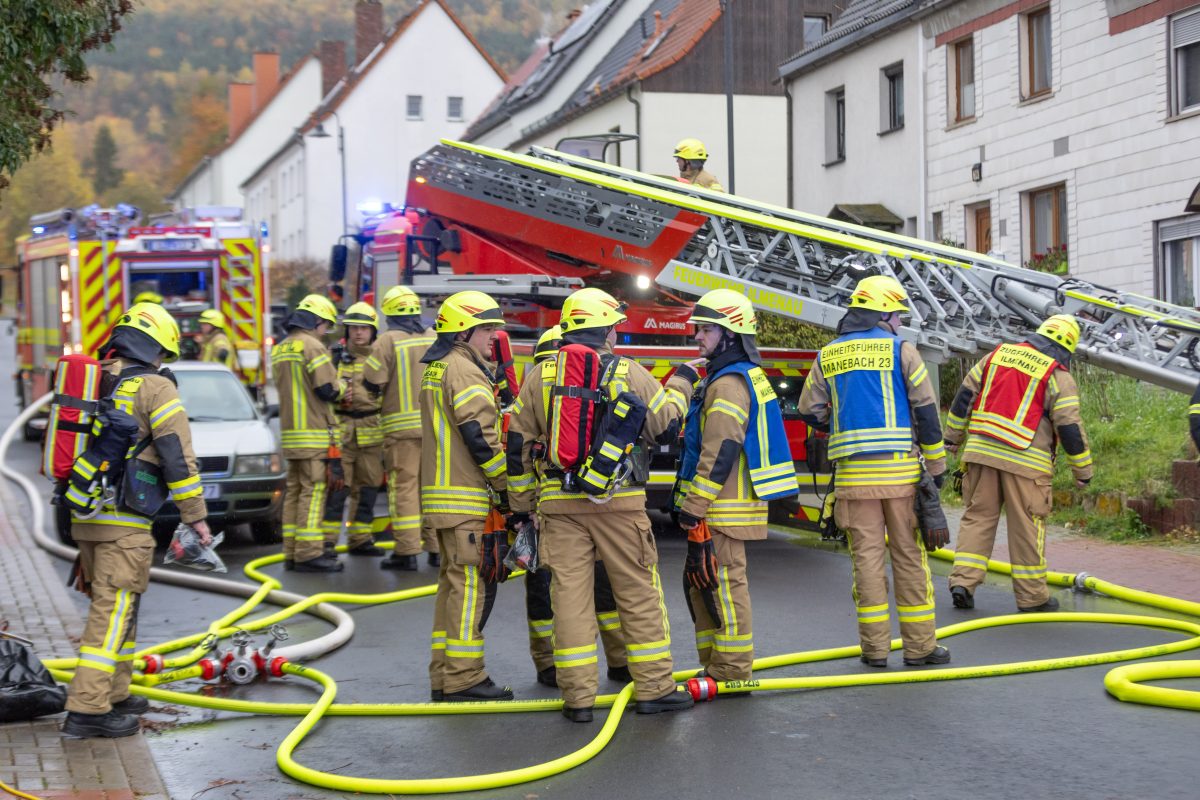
1058	420
360	420
219	349
703	179
395	370
461	455
884	422
736	454
541	490
308	387
153	401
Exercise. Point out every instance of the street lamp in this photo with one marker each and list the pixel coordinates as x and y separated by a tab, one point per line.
727	14
319	132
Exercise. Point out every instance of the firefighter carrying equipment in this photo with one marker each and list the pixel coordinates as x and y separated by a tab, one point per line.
548	344
879	293
591	308
691	150
1063	329
1012	401
153	322
401	301
73	410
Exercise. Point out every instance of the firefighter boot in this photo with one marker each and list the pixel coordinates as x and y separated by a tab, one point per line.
548	677
673	700
365	549
577	714
132	705
486	689
620	674
322	563
873	662
1049	605
406	563
434	559
939	655
962	597
110	726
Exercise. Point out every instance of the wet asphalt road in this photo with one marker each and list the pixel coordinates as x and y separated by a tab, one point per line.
1033	736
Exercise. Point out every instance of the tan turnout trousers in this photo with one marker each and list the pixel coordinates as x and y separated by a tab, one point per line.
304	509
403	459
569	546
119	572
1026	502
458	611
867	523
362	469
540	613
726	649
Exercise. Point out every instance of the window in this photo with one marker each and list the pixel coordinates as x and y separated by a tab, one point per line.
1179	246
835	126
1047	219
454	109
1185	62
938	232
963	65
412	108
815	26
891	98
1035	53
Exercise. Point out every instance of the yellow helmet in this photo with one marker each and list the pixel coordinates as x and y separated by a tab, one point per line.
548	344
466	310
321	307
401	301
361	314
213	317
591	308
691	149
727	308
1062	329
154	321
148	296
879	293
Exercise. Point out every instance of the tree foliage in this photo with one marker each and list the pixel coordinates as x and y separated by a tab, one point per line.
51	179
42	41
105	172
777	331
292	279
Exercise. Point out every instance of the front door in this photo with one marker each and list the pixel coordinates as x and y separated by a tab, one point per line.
983	229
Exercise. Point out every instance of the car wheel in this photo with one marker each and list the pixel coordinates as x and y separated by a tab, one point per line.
266	531
62	525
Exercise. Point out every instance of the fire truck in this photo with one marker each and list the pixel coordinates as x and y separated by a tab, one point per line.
81	268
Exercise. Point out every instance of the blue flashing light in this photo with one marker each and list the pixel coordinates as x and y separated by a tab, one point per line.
38	230
372	206
262	229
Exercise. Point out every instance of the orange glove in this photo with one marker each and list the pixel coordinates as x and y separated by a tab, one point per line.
700	567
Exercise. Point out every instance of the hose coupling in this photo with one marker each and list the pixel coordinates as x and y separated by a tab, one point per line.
211	669
1080	584
702	689
152	664
241	669
275	668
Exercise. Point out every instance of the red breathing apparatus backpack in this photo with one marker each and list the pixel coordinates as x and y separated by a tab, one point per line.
73	411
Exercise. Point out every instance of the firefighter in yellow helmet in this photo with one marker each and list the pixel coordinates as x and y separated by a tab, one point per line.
309	387
735	458
361	439
215	344
538	607
393	373
873	394
1012	407
463	478
690	155
148	296
145	446
575	531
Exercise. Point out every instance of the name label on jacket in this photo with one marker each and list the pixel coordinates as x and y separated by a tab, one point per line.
869	354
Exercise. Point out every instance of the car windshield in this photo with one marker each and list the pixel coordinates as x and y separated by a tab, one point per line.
211	395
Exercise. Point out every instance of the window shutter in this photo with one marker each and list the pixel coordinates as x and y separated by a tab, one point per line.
1185	30
1187	228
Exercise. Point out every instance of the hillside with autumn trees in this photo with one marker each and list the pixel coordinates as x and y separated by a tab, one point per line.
156	101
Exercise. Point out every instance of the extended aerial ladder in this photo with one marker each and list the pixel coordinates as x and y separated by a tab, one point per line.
805	266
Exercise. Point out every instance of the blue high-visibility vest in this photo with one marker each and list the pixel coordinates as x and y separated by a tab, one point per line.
868	393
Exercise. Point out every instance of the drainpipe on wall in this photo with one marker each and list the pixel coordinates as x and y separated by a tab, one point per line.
791	168
922	199
637	128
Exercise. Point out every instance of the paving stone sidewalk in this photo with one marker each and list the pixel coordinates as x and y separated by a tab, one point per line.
34	757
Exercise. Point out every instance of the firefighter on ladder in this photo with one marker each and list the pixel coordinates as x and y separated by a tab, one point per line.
215	344
538	607
575	532
735	458
308	386
463	477
361	440
1012	407
690	155
872	392
393	372
115	542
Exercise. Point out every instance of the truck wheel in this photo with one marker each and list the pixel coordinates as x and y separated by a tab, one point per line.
266	531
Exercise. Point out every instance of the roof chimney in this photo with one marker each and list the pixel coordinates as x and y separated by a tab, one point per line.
657	23
266	78
368	28
241	107
332	55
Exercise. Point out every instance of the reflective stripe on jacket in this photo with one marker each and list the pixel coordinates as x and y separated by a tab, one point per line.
307	425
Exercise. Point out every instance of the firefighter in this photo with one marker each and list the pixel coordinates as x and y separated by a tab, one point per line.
361	439
148	296
873	394
1194	417
215	344
393	372
115	545
538	608
735	458
690	156
575	532
463	476
1028	401
308	386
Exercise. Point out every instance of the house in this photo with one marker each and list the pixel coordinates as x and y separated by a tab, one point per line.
420	81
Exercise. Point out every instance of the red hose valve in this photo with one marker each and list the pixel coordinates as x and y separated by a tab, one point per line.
702	689
152	664
276	670
210	669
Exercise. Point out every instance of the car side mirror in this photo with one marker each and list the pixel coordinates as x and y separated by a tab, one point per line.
272	410
339	255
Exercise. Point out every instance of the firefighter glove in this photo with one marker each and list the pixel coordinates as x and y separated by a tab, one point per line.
517	520
939	480
495	548
700	568
335	476
501	500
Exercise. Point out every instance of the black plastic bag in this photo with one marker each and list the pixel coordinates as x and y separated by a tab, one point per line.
26	688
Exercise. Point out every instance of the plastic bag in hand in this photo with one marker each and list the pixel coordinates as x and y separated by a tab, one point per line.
523	554
186	551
